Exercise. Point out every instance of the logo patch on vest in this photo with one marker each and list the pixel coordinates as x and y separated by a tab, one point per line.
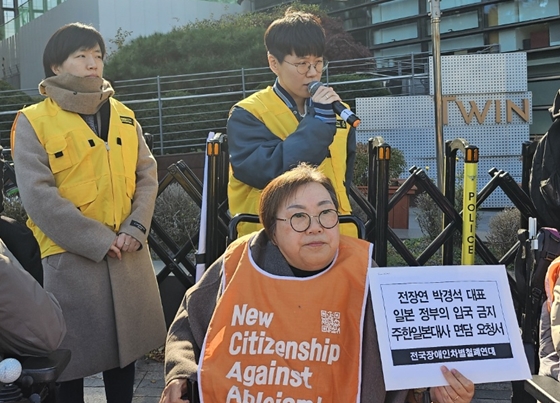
127	120
138	225
340	124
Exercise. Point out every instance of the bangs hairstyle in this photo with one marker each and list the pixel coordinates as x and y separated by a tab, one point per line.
284	186
298	33
67	40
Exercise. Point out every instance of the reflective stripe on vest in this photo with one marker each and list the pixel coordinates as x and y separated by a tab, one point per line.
98	178
274	337
266	106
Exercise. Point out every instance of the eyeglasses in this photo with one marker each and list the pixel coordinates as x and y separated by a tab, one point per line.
301	222
304	67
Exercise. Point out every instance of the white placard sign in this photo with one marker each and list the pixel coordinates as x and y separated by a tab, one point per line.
458	316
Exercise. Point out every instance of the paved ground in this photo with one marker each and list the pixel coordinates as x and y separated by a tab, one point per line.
147	387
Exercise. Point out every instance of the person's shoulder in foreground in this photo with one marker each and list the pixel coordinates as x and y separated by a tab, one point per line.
31	321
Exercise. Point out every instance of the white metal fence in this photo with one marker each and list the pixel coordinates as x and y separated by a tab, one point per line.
180	110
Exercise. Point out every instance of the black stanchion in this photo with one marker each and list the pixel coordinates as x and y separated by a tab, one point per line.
216	228
381	153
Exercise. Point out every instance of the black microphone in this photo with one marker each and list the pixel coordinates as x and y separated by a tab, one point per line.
346	114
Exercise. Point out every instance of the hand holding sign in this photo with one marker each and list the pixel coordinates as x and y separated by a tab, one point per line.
459	390
458	316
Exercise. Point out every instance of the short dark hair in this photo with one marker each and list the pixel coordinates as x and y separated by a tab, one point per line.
68	39
298	33
282	187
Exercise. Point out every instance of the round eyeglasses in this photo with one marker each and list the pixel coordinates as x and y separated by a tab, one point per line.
304	67
301	222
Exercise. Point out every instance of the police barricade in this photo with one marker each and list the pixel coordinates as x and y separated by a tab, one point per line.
178	271
176	255
376	206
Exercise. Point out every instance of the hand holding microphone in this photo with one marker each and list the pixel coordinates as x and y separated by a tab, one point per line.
337	106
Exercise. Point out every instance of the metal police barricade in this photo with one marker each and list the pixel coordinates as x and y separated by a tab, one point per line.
378	191
217	217
179	173
470	175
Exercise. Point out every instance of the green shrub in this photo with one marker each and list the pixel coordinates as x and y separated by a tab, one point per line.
13	208
178	215
232	42
502	231
429	216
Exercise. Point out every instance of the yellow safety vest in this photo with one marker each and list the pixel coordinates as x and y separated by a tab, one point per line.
98	177
284	338
266	106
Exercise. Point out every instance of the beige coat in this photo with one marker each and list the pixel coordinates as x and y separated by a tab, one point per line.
112	308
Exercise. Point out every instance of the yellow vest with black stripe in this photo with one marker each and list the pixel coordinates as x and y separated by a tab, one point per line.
98	178
266	106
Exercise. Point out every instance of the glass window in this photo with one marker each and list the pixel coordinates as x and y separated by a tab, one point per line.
24	16
534	9
10	28
8	15
458	22
396	33
543	92
395	51
461	43
507	40
541	123
521	10
329	6
393	10
355	18
554	30
8	3
529	37
455	22
452	3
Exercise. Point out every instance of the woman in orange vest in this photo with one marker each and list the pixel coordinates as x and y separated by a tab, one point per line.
284	315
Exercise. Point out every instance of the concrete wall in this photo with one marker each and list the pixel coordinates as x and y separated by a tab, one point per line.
28	44
21	54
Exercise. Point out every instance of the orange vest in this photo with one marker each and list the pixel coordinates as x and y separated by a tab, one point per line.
277	339
552	274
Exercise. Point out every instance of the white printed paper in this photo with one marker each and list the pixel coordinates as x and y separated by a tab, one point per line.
458	316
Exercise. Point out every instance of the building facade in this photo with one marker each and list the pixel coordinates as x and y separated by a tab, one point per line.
396	27
26	26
